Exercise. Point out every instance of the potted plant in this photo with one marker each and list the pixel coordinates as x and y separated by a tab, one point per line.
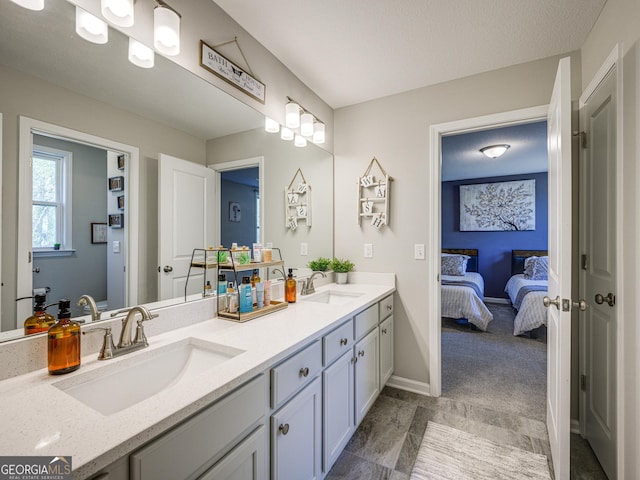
320	264
341	268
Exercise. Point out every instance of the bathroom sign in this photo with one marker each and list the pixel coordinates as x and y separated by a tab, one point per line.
224	68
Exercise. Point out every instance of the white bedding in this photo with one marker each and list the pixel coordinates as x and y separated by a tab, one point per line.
459	301
532	313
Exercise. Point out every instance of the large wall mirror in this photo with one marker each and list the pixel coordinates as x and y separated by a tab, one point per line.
48	74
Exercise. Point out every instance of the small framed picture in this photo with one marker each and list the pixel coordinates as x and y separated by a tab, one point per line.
98	232
121	202
116	220
116	184
121	162
235	214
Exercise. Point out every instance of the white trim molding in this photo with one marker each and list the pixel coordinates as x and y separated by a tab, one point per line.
409	385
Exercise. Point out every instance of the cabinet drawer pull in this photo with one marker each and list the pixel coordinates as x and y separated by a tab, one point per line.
304	372
384	331
361	353
354	359
389	307
344	341
284	429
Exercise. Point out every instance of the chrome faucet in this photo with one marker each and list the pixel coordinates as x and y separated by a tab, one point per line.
88	300
308	287
280	271
125	344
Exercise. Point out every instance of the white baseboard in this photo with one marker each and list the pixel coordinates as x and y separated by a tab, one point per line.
503	301
409	385
575	426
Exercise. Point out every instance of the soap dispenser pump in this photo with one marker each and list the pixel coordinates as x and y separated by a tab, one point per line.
40	321
63	342
290	288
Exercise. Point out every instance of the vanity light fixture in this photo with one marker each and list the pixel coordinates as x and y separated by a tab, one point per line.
90	27
292	114
166	29
141	55
118	12
30	4
310	125
318	133
306	124
300	141
286	133
495	151
270	125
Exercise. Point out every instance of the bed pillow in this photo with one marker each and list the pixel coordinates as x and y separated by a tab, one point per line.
451	264
536	268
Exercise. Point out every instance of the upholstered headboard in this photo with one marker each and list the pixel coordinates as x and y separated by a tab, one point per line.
519	256
472	253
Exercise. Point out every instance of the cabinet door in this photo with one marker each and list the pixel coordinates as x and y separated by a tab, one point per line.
247	461
296	440
338	411
367	373
386	350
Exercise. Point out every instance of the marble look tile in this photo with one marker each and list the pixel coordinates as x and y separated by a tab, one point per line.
445	417
408	454
395	475
500	435
391	411
377	442
519	424
352	467
419	422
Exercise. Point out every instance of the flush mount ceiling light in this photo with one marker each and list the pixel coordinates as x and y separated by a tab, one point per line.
30	4
495	151
140	54
166	29
310	125
90	27
118	12
270	125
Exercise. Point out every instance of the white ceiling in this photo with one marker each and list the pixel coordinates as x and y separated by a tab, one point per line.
350	51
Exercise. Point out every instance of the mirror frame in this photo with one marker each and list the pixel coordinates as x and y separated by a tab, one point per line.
29	126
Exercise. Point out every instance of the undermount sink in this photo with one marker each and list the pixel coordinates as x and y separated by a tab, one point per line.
332	297
119	385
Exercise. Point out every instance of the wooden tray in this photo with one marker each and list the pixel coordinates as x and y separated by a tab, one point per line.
258	312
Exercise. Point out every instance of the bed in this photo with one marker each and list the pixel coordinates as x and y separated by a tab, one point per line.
527	291
462	292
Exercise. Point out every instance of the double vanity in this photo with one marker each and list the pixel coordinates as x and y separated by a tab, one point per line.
277	397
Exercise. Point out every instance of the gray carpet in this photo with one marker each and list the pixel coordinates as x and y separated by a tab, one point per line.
494	369
450	454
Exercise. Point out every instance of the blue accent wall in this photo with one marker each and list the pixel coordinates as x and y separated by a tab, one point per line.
494	248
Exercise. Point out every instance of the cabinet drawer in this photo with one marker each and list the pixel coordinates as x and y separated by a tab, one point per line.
366	320
201	440
295	372
386	307
337	342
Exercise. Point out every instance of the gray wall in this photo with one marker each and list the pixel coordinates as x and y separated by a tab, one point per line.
85	271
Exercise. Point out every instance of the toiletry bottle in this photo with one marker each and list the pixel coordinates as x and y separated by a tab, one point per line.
207	289
232	299
267	292
222	284
40	321
255	278
290	288
259	295
246	301
63	347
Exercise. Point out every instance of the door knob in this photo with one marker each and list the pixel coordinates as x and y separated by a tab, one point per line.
168	269
36	270
580	305
547	301
610	299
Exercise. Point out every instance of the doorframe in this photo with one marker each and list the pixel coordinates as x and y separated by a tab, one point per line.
218	168
28	126
611	63
434	180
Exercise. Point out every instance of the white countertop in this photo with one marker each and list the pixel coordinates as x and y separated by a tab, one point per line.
40	419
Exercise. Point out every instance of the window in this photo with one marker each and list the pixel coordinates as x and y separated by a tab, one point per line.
51	196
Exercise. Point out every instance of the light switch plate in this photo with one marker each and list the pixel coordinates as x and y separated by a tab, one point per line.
304	249
418	251
368	250
116	246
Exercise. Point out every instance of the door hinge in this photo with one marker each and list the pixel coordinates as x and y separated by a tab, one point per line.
583	138
583	382
29	260
584	261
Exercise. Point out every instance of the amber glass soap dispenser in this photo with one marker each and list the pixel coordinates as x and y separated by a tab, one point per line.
63	345
290	288
40	321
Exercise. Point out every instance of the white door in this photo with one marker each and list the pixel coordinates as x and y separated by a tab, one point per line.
186	217
599	270
559	313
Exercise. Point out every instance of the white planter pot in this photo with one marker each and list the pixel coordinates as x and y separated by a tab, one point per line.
341	277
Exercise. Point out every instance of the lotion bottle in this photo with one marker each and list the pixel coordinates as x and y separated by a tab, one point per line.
290	288
246	296
63	342
40	321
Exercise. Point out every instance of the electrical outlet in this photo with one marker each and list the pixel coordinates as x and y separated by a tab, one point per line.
418	251
368	250
304	249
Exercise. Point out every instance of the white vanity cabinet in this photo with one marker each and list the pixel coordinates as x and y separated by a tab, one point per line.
367	373
386	339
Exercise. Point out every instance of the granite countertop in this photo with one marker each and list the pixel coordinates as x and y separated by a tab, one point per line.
40	419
